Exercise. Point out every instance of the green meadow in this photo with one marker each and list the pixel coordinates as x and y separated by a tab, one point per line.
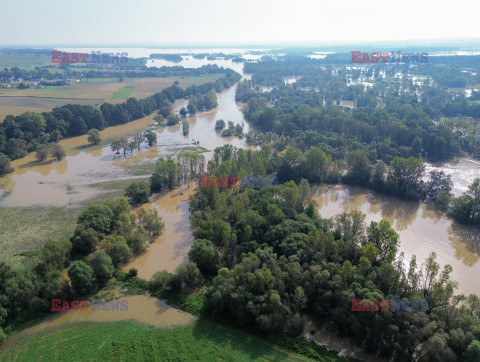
123	93
129	341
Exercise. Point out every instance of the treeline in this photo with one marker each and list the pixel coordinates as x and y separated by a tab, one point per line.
36	73
24	133
201	102
269	260
381	134
139	70
106	235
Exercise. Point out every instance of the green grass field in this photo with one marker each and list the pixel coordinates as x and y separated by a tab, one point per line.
123	93
129	341
23	229
23	61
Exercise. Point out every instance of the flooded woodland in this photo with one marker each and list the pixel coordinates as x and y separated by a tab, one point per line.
79	177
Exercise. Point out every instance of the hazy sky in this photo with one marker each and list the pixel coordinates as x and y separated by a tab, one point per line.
55	22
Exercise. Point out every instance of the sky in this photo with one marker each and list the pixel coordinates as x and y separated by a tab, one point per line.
234	22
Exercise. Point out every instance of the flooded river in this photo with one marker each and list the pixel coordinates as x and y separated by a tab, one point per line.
421	229
77	177
170	249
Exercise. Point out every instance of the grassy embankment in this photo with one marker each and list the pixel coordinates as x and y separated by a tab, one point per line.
129	341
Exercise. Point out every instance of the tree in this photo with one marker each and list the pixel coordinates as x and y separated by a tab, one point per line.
131	145
183	112
350	226
84	240
151	137
82	277
4	164
191	108
138	192
315	165
124	144
102	266
139	138
173	119
98	217
138	241
94	136
474	193
167	280
185	126
42	152
359	168
385	238
205	255
219	125
151	222
165	176
436	349
53	255
473	351
119	143
404	177
117	248
58	152
190	275
159	118
304	192
115	145
466	208
3	337
377	181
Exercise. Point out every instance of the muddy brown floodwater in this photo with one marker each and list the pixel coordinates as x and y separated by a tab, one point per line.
171	248
76	178
141	308
421	229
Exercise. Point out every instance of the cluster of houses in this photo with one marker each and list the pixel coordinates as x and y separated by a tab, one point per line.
35	85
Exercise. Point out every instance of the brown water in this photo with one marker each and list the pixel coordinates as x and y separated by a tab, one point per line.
343	346
171	248
463	172
74	179
421	229
141	308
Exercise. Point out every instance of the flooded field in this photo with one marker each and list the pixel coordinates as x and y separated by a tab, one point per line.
141	308
74	179
80	176
170	249
421	229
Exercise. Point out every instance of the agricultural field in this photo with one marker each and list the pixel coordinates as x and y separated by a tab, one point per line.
145	87
87	92
26	61
123	93
129	341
